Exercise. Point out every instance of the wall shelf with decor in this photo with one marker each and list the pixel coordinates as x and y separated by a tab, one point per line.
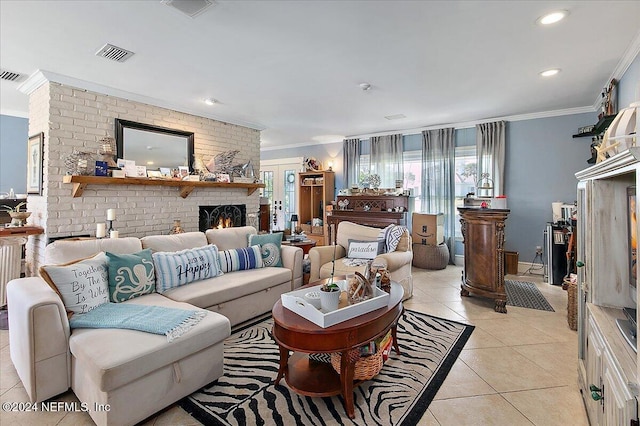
598	128
186	187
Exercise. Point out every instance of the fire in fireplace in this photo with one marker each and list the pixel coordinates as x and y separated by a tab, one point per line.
224	216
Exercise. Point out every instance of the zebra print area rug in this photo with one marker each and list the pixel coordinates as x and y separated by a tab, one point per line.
525	295
399	395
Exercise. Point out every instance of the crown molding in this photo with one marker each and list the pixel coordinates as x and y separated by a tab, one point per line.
40	77
459	125
14	113
34	81
298	145
625	62
468	124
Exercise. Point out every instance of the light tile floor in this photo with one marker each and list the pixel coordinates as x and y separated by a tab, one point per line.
516	369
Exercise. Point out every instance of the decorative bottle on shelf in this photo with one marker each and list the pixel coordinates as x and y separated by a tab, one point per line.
198	164
176	228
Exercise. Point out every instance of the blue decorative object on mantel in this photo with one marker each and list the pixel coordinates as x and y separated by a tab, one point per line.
102	168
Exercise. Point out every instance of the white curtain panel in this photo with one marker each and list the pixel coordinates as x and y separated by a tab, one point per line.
490	144
351	161
386	159
438	179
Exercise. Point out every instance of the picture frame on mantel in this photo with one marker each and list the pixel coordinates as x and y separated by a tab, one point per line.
35	150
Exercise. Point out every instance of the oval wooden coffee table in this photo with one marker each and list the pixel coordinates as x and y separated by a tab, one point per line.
299	335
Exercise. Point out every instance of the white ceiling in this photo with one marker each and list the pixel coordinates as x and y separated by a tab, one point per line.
293	68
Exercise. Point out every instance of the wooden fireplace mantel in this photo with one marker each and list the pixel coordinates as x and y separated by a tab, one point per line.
186	187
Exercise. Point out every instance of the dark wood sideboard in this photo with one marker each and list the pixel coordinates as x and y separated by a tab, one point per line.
370	210
483	233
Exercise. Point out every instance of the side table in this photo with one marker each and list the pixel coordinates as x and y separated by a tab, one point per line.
305	245
11	241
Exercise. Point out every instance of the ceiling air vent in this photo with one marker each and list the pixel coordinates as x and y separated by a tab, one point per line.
9	76
191	8
114	53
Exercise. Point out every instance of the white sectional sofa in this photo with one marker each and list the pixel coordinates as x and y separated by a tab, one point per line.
137	373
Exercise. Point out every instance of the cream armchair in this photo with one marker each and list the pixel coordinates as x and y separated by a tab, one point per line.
397	262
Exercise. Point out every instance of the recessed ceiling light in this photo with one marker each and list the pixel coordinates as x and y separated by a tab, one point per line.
395	117
552	17
365	86
549	73
210	101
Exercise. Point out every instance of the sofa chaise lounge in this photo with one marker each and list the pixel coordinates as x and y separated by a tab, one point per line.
135	373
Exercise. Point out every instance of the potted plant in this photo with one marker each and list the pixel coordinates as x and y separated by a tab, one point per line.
329	296
330	291
17	217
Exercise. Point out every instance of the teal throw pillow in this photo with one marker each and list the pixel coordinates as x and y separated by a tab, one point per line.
269	246
130	275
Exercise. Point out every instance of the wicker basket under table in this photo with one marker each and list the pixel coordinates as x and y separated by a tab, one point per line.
572	305
366	367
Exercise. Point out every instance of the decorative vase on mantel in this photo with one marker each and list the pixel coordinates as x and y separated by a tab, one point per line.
198	164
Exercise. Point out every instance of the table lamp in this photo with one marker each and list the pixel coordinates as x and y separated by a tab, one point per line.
294	223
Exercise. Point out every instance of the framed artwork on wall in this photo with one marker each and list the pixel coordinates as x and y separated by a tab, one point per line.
34	163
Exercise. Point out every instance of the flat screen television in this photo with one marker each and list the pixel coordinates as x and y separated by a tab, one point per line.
633	241
629	326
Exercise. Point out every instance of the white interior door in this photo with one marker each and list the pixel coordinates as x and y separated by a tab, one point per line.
279	177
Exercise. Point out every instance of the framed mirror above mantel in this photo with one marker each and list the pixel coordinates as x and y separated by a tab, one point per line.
154	146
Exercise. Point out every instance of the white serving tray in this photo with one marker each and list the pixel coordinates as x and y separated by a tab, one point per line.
294	301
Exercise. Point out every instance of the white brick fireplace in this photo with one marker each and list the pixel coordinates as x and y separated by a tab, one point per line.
71	118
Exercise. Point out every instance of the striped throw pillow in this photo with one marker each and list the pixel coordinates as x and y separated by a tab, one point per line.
241	259
174	269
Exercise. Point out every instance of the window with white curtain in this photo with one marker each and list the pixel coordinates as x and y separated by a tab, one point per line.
465	179
412	164
365	167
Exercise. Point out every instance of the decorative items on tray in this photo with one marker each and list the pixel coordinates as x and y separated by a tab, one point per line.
357	288
329	296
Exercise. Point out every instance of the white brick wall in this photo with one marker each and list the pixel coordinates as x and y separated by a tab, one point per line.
76	118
